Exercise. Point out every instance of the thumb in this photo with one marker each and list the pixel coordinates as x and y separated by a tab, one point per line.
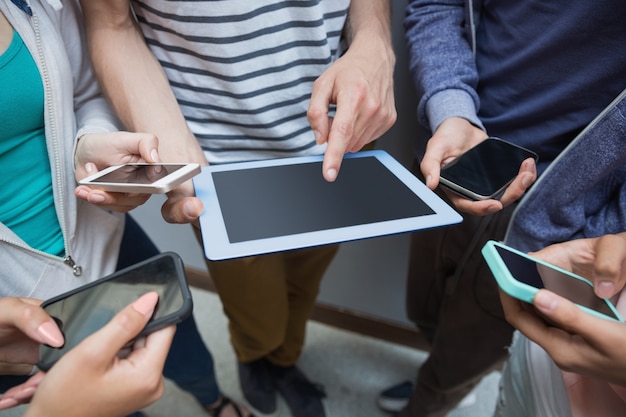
124	327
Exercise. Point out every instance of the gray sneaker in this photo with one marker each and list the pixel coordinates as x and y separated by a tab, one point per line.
257	386
303	397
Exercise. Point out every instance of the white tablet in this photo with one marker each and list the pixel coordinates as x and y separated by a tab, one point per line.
253	208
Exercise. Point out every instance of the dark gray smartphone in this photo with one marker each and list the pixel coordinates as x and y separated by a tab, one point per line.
85	310
484	171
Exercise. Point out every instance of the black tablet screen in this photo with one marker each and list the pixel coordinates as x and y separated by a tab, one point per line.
283	200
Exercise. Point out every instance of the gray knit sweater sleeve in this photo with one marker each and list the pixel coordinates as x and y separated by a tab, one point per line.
441	61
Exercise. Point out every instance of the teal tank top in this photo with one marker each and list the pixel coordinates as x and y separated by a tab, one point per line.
27	203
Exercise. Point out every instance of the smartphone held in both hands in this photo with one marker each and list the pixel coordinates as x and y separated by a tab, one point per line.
484	171
142	177
85	310
521	276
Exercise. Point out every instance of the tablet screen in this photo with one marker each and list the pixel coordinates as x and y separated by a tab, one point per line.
290	199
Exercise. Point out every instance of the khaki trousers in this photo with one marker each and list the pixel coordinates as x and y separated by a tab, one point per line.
268	300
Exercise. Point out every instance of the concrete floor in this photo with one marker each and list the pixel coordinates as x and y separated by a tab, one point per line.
352	368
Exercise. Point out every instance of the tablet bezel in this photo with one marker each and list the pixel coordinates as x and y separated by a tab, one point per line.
218	247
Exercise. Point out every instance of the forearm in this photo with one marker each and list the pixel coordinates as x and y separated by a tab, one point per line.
369	26
134	82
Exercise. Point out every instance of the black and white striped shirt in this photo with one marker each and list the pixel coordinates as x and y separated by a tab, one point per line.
242	70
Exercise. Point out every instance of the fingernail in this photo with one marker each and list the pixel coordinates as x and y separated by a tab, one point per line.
154	155
331	174
189	209
493	209
146	303
82	193
545	301
318	136
605	289
8	402
96	198
50	334
25	394
89	167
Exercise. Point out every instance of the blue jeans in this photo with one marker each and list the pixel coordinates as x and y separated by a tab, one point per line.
189	363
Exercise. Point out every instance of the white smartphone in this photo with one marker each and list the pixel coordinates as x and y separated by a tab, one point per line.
484	171
142	177
521	276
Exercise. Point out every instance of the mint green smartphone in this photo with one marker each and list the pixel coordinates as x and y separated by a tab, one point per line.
521	276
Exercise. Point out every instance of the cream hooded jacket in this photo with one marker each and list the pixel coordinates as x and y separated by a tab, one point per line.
73	106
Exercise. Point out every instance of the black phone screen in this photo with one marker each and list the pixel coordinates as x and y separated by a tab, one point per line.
85	310
138	174
486	169
542	276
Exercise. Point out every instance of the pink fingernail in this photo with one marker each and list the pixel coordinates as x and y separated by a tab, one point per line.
146	303
51	334
25	394
8	402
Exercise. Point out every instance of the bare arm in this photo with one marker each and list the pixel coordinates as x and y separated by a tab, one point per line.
138	89
133	80
360	83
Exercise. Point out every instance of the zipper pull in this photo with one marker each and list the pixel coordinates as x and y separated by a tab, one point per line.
23	6
78	271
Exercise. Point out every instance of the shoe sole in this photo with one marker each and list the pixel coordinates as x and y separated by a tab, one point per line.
392	405
396	405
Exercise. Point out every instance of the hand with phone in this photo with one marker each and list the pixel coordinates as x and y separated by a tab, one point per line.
83	311
454	137
24	325
576	340
92	376
98	151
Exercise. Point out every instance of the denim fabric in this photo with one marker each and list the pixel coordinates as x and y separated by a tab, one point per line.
189	363
583	192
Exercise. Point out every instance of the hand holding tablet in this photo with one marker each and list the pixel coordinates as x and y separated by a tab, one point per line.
253	208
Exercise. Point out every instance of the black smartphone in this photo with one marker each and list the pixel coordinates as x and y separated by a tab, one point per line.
83	311
484	171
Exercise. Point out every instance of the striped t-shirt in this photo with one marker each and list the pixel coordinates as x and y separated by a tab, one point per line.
243	70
